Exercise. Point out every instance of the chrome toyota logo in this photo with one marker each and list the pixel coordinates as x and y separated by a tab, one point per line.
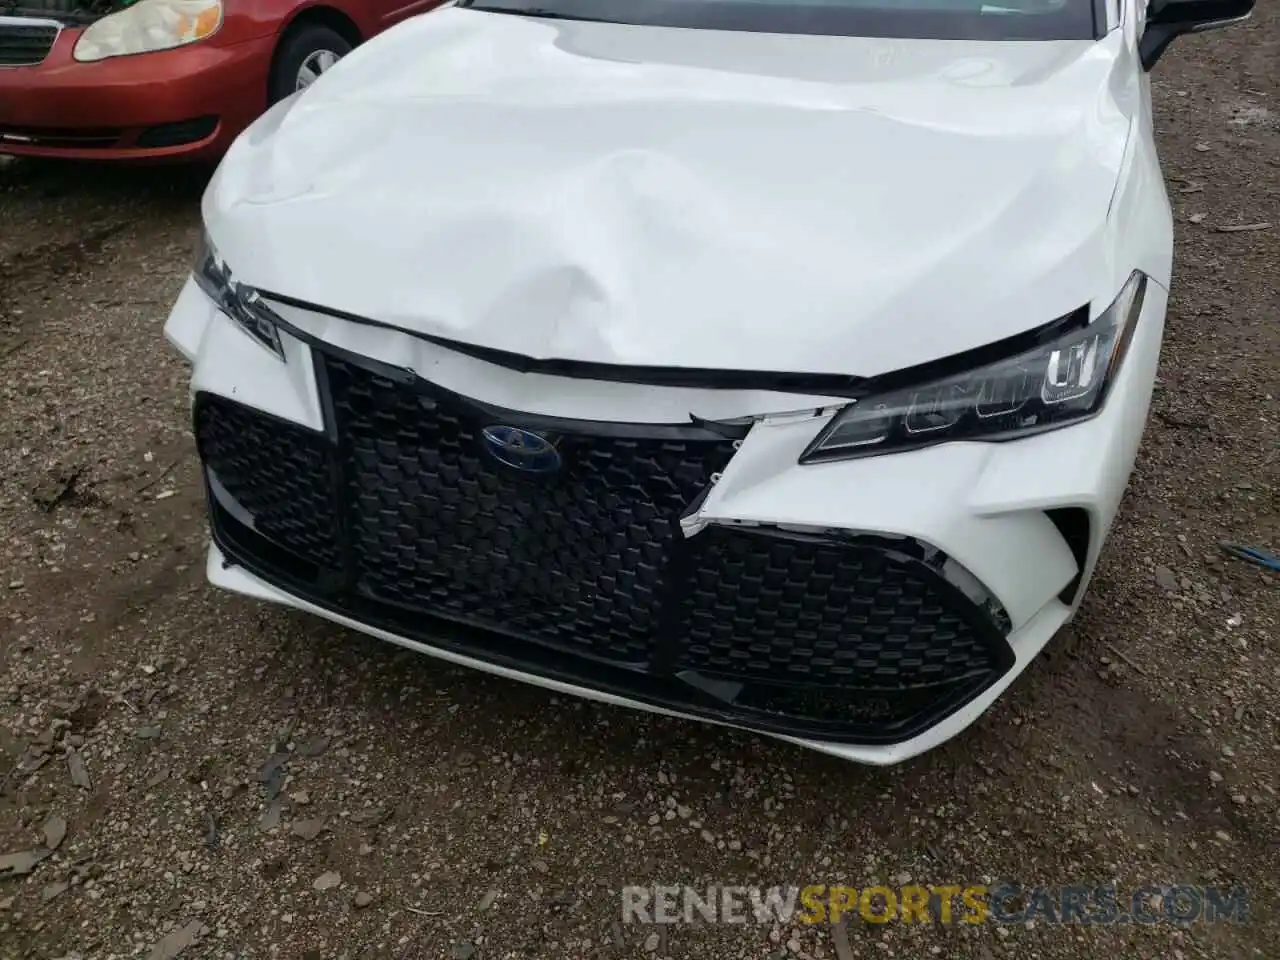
521	449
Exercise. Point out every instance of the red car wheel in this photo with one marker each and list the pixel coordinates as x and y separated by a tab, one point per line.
305	52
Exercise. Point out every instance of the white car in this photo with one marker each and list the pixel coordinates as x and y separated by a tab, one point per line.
775	364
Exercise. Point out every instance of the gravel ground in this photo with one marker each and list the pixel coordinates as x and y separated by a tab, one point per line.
200	774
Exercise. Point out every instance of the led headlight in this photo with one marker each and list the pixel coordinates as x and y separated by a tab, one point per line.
242	304
1058	382
148	26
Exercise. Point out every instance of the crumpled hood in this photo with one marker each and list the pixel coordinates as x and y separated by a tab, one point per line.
651	196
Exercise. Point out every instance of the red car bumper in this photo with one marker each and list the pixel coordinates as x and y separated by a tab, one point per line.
188	103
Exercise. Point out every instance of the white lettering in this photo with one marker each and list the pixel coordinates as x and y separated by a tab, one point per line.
666	902
635	905
778	904
733	907
706	908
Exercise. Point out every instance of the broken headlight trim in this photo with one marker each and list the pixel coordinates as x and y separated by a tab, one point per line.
149	26
1053	385
241	303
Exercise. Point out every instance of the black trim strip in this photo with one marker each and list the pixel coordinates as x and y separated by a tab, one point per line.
1076	528
966	360
1099	19
404	377
704	378
1065	22
815	384
337	466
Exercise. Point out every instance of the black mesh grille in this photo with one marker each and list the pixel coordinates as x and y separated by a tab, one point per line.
179	133
821	613
576	559
281	474
402	518
25	44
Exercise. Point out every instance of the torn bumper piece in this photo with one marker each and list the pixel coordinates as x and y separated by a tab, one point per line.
869	609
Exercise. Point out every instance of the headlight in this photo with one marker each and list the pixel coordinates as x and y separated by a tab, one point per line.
242	304
148	26
1059	382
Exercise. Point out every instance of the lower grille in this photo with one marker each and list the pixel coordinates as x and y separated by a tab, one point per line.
279	473
821	613
24	43
401	517
178	133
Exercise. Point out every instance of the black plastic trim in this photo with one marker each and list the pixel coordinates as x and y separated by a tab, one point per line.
819	384
1069	22
815	384
1076	528
178	133
336	469
1100	19
404	377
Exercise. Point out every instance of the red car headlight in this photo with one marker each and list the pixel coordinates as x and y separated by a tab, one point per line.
148	26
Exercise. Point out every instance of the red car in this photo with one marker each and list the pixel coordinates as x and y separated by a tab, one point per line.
164	79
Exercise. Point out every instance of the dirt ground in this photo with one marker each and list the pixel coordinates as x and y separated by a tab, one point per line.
426	811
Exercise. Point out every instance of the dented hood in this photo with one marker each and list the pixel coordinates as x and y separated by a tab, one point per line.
666	197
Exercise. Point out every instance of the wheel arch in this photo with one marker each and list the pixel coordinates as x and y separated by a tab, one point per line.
325	16
318	14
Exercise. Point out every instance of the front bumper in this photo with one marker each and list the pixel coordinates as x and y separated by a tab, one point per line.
189	103
969	556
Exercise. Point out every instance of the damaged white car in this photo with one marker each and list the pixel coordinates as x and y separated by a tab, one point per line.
776	364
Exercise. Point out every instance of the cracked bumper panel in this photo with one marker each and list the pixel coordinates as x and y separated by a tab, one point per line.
939	569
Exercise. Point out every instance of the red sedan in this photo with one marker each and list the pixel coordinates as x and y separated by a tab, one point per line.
164	79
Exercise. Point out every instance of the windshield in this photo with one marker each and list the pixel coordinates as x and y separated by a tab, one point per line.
924	19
